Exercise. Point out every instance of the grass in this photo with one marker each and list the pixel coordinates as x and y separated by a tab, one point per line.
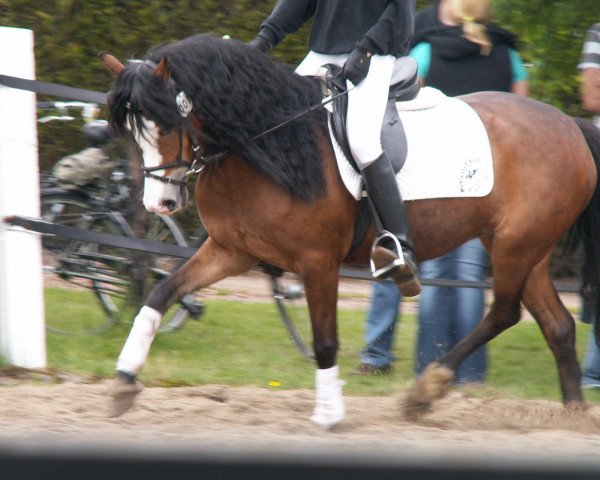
237	343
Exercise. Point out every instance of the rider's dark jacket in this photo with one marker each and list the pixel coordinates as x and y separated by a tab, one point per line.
382	27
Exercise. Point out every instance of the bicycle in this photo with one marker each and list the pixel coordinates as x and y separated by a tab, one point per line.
289	297
102	202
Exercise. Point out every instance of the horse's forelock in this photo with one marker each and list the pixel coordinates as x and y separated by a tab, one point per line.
137	94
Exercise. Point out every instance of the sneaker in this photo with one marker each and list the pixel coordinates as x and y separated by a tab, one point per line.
368	369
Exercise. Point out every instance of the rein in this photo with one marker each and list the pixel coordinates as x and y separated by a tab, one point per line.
203	161
184	107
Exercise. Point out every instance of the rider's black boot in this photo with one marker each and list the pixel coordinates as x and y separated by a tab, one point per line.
382	189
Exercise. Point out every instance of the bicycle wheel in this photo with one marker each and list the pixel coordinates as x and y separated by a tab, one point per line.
97	272
118	278
288	293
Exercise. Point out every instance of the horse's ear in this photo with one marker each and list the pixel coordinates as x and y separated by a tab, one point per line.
162	69
111	62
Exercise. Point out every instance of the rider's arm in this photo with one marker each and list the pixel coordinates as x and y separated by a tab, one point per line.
590	90
287	17
392	33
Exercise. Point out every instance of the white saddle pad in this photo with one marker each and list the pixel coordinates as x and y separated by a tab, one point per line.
449	151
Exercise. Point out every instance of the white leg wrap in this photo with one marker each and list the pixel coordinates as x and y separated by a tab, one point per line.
329	406
136	348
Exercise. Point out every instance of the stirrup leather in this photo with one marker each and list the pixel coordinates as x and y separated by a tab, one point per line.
383	272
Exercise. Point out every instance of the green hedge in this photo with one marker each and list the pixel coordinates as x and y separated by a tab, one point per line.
69	34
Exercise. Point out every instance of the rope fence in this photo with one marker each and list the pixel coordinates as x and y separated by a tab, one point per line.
80	94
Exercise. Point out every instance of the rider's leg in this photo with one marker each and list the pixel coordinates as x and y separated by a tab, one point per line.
313	63
366	109
381	186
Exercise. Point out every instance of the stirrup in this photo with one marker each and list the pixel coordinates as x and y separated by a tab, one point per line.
385	271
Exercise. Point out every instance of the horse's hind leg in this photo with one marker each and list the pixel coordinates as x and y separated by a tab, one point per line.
435	380
557	325
510	273
209	265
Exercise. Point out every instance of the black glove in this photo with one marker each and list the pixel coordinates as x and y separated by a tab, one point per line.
261	43
357	66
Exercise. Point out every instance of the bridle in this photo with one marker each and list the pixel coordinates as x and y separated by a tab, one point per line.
184	107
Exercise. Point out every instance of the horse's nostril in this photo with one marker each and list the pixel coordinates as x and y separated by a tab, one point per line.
169	204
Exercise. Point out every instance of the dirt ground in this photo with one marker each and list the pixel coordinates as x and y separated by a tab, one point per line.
36	407
272	420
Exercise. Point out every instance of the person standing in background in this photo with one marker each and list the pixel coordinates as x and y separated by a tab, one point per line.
377	355
458	51
464	53
589	66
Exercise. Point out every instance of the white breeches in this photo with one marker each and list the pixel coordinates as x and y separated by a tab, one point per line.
366	102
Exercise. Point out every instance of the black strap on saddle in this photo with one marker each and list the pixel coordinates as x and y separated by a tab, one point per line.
334	86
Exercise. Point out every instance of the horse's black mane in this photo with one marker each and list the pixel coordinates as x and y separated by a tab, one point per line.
237	93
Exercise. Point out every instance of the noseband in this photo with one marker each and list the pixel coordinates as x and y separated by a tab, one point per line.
180	162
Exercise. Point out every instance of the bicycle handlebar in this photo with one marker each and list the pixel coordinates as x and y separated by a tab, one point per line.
89	110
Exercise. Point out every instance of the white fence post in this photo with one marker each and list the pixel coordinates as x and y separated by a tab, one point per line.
22	330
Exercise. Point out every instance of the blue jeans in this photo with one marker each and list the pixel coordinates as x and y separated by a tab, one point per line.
591	360
381	325
448	314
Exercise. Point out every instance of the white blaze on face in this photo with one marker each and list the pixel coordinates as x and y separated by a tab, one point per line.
156	193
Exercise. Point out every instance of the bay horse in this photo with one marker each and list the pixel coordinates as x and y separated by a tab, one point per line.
276	196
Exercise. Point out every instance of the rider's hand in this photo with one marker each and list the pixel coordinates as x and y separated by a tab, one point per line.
357	66
261	43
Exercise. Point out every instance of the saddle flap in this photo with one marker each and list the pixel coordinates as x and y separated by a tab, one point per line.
393	139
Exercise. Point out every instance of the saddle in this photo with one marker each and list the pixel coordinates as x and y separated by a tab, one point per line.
404	86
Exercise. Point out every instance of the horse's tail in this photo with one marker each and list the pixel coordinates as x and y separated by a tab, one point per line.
588	230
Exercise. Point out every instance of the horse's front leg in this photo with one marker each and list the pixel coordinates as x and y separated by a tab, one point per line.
209	265
321	294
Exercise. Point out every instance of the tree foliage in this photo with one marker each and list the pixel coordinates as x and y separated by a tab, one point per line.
69	34
551	35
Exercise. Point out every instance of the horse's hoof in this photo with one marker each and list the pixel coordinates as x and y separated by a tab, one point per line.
123	396
577	406
326	419
415	407
432	385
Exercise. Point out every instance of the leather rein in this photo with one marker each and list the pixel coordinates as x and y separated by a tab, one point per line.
185	107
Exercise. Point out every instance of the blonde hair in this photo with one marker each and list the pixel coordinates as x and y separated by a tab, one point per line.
473	15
